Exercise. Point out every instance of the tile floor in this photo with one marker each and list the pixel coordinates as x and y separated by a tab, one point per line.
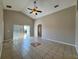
22	49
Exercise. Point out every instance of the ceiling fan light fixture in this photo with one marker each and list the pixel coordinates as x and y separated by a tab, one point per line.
35	9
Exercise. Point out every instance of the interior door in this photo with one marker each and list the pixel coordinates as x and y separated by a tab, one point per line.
39	30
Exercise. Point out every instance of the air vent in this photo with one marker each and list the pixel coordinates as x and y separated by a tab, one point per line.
8	6
56	6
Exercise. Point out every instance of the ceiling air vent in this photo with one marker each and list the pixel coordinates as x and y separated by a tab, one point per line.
8	6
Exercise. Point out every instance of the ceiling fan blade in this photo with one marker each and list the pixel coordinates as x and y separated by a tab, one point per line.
31	12
29	8
39	11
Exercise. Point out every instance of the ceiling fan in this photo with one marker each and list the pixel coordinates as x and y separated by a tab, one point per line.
35	9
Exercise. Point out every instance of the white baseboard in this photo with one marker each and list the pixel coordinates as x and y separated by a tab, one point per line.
76	49
61	42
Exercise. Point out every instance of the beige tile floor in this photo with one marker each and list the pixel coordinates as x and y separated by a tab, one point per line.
22	49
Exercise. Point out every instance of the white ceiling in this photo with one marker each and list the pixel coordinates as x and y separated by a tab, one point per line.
47	6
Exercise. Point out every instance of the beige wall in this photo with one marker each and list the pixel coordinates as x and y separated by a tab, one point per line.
1	28
59	26
17	18
76	31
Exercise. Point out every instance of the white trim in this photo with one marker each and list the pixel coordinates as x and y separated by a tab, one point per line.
61	42
76	49
1	46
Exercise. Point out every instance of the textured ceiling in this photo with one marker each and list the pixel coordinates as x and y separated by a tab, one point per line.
47	6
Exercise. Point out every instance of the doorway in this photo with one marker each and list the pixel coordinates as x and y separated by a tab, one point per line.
39	30
21	32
